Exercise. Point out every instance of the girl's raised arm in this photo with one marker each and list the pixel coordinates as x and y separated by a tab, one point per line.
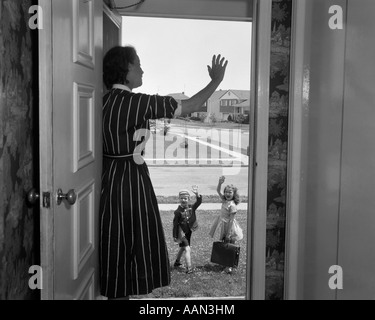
218	189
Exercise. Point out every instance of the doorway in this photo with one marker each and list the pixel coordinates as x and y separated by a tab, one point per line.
258	144
199	148
268	144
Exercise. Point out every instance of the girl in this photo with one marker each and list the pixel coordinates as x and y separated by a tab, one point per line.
229	229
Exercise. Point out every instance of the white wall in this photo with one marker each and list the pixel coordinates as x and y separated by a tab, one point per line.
324	78
338	170
357	199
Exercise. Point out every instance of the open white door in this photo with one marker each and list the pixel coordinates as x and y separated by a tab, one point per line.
70	146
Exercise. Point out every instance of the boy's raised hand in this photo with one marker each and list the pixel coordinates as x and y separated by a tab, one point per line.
221	179
194	189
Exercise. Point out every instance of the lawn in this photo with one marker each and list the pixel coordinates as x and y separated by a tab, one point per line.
208	279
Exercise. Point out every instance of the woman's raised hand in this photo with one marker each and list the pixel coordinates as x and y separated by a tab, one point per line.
217	70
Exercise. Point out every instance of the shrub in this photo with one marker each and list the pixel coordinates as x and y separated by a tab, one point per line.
195	118
202	116
165	129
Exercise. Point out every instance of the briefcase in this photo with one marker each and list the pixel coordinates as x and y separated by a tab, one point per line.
226	254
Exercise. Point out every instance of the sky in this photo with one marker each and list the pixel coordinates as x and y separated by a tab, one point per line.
174	53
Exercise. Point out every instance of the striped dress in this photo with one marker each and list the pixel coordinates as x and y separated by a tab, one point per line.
133	253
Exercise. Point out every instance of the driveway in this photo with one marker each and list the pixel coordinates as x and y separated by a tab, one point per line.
169	175
168	180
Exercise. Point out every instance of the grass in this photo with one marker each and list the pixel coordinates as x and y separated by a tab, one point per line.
205	199
208	279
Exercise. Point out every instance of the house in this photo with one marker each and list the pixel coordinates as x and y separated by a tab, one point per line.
178	96
182	96
234	102
221	104
225	103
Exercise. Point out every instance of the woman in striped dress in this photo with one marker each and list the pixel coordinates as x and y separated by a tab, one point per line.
133	254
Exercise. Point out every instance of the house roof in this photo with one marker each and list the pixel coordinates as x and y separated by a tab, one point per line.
218	94
178	96
244	104
241	94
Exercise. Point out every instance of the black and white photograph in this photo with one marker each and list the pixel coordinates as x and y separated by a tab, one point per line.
205	152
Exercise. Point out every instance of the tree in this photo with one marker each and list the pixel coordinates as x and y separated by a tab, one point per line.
166	127
212	118
202	116
240	118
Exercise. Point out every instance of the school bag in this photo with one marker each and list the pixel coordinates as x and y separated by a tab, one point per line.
225	253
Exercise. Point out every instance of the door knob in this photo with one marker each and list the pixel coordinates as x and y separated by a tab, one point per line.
32	196
71	196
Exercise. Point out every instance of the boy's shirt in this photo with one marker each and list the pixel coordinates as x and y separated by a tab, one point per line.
185	219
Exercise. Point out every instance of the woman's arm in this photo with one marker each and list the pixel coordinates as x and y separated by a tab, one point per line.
216	72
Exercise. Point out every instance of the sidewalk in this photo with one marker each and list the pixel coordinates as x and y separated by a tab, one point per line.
203	206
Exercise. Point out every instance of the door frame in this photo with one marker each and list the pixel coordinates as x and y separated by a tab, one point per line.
298	111
258	146
257	191
114	17
258	161
46	151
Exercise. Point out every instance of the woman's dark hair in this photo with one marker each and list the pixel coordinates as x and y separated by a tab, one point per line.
115	65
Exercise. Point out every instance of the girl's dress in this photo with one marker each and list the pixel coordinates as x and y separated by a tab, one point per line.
221	222
133	253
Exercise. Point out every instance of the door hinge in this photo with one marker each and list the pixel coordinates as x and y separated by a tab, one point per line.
46	199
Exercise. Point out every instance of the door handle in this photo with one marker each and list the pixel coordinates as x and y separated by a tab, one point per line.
33	196
70	197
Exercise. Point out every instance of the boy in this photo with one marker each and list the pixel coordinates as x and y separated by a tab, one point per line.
185	221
